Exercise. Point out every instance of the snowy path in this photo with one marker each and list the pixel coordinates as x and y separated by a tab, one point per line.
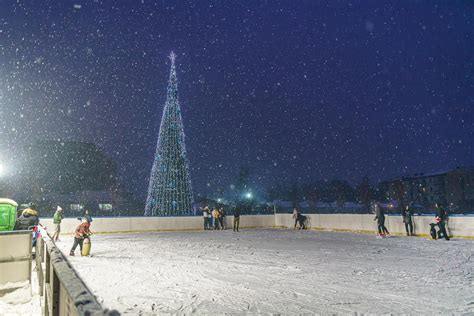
278	271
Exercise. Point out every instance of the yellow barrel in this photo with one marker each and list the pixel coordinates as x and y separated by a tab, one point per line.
86	247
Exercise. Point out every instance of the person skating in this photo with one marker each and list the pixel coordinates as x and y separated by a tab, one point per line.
205	214
301	220
295	217
57	219
222	218
82	231
209	219
440	219
380	218
215	218
407	214
236	218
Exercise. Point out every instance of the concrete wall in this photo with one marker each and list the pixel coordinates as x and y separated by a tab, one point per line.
458	226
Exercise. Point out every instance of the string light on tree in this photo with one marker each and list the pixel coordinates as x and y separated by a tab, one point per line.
170	191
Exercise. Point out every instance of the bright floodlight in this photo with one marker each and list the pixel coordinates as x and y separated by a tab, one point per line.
248	195
2	169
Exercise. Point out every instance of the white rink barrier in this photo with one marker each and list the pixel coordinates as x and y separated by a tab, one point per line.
138	224
461	226
458	226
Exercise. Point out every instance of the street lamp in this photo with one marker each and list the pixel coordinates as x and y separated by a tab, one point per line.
248	195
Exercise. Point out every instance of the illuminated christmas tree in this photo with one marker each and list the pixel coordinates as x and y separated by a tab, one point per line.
169	191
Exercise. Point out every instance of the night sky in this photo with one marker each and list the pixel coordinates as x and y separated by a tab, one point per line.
294	90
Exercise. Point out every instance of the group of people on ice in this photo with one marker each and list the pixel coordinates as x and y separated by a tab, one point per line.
81	232
441	219
29	220
215	219
438	228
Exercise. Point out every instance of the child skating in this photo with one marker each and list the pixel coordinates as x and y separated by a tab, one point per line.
82	231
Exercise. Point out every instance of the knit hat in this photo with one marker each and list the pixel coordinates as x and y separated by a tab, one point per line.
59	208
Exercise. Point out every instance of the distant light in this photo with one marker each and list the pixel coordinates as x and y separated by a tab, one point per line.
219	200
248	195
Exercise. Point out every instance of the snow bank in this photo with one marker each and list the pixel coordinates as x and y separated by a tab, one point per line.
19	299
277	271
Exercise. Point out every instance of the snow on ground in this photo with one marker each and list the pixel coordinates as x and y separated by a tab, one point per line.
277	271
19	298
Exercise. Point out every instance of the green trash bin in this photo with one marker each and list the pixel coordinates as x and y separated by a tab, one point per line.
7	214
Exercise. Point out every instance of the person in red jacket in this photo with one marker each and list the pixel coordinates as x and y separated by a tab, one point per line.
82	231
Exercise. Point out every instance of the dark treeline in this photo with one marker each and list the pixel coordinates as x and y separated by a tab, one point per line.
338	191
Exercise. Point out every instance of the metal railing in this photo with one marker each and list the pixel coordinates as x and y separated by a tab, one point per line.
62	291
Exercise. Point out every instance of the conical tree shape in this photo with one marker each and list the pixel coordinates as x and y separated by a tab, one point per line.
170	192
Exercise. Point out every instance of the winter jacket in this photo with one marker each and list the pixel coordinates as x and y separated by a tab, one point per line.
407	215
379	213
215	214
58	217
237	213
441	213
25	221
82	230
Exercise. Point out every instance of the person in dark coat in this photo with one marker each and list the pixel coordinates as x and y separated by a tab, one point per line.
407	214
380	217
29	218
441	217
302	220
296	215
205	214
236	218
222	218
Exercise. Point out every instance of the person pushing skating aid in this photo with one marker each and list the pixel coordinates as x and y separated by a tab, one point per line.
82	231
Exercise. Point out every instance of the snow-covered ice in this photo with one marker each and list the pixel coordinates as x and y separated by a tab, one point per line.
277	271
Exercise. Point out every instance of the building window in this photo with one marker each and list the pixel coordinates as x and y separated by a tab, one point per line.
105	207
76	207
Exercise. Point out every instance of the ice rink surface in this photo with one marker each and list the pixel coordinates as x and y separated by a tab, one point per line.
277	271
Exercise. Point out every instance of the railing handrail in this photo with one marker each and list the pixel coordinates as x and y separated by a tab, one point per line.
78	293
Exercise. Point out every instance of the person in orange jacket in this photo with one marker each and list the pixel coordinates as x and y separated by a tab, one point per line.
82	231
